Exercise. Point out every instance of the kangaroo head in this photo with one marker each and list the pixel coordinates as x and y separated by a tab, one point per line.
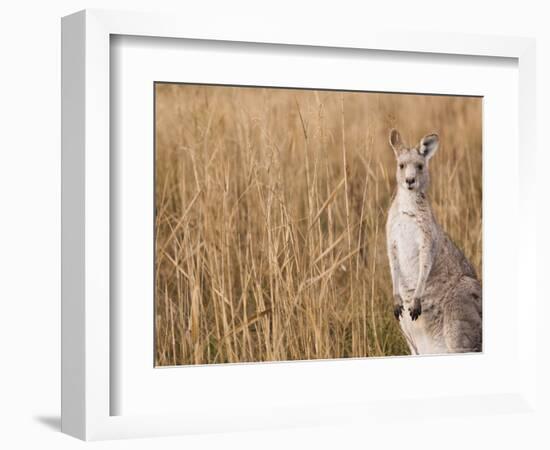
412	162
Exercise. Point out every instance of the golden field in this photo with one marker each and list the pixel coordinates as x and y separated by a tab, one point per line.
270	213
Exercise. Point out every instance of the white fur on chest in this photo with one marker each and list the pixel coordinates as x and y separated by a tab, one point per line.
406	236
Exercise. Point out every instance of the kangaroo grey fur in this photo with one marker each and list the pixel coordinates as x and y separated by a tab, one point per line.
437	296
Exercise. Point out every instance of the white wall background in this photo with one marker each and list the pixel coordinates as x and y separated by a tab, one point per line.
30	205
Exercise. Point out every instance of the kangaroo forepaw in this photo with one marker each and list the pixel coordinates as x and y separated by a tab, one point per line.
398	311
397	306
416	310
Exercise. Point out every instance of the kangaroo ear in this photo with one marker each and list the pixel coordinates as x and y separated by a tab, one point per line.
395	141
428	145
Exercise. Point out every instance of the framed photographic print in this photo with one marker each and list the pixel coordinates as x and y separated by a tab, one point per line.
269	229
271	241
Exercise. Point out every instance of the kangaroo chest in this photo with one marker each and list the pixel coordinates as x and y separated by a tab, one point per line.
407	238
419	335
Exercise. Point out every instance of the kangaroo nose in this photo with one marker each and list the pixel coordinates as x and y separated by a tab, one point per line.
409	180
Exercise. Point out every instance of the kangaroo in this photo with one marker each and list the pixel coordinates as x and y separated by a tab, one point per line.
432	279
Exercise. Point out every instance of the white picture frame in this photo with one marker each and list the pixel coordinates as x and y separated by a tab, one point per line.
87	386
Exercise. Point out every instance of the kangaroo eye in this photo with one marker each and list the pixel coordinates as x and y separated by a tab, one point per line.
420	166
401	165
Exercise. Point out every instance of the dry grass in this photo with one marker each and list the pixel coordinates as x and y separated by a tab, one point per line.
270	214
